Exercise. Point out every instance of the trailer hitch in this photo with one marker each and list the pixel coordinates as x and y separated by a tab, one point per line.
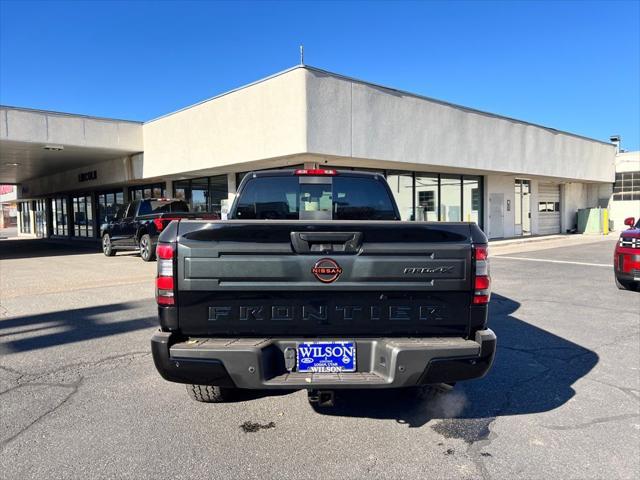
321	398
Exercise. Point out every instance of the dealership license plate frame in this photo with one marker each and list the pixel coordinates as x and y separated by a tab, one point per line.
322	363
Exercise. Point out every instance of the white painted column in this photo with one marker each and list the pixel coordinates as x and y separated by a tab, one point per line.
231	185
19	218
32	218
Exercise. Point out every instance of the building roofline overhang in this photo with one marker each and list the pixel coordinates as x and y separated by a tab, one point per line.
68	114
391	89
228	92
335	75
450	104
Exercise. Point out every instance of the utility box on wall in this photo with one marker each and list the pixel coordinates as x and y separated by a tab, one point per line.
593	221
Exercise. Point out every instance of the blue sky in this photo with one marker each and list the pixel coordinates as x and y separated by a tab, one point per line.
569	65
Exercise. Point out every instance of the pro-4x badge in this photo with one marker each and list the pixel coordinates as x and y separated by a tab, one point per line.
326	270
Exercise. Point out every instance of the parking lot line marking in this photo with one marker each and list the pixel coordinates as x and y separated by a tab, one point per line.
554	261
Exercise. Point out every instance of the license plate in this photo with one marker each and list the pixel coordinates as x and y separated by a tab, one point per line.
327	357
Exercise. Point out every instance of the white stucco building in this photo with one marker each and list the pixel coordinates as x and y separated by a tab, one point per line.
443	161
625	197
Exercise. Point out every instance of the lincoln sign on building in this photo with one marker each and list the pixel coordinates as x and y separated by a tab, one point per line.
444	162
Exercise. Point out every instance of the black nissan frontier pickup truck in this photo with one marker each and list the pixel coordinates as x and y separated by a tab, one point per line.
314	283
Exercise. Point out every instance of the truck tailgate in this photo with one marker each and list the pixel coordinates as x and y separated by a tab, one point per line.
323	278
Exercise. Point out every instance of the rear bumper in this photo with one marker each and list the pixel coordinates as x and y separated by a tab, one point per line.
626	264
629	277
258	363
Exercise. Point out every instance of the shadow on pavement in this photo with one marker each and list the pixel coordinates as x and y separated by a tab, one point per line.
36	248
533	372
69	326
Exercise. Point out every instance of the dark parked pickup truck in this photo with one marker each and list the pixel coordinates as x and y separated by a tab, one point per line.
314	283
137	225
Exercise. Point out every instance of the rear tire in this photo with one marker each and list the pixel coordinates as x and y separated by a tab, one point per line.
147	249
107	247
210	393
626	285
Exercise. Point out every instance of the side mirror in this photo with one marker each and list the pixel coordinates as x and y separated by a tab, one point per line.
630	222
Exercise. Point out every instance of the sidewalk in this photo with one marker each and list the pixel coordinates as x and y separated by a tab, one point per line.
11	232
528	244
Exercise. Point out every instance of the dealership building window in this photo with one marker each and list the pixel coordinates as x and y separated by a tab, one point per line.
82	216
107	204
627	186
154	190
548	207
41	217
471	199
25	217
59	224
427	197
199	195
202	194
401	184
450	198
435	197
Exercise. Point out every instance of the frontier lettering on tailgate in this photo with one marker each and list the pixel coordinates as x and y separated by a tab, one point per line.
321	313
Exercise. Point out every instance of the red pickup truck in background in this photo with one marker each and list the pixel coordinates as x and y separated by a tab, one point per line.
626	259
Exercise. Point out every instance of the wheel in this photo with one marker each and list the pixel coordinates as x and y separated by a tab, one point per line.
210	393
107	248
626	285
147	249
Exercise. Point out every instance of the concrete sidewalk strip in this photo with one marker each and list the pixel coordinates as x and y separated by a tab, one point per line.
545	260
531	244
561	238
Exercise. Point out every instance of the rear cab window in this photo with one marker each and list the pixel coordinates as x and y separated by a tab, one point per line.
148	207
340	197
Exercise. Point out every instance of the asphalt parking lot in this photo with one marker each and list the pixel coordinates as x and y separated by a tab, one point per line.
80	397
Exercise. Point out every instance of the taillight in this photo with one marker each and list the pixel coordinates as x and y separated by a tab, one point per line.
164	251
483	283
315	171
158	223
481	252
626	263
164	280
482	280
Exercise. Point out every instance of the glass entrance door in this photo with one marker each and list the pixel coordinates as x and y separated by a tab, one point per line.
59	216
522	207
41	217
83	216
107	206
